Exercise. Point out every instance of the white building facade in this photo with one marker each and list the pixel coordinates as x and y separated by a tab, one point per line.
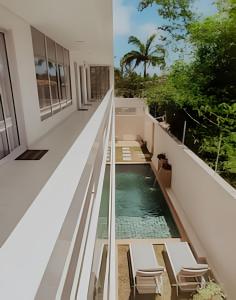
56	94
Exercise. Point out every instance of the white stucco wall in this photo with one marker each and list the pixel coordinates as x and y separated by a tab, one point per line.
129	125
209	204
25	87
149	132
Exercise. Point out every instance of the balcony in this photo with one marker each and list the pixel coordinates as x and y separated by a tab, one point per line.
50	214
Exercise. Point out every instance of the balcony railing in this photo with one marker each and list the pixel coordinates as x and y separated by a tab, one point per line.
66	209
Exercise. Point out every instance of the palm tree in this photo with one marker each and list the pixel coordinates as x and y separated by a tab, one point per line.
147	53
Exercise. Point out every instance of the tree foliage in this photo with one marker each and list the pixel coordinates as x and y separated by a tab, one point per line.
146	53
203	92
178	14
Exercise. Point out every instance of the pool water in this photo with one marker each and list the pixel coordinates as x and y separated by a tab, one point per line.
141	209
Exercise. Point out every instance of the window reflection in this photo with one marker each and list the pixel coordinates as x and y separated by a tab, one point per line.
100	81
52	66
98	273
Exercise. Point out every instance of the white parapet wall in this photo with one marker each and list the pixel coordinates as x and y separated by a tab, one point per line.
207	202
129	118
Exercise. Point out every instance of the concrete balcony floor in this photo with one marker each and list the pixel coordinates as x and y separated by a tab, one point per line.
22	180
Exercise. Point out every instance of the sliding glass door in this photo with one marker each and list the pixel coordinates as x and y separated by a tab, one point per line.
9	137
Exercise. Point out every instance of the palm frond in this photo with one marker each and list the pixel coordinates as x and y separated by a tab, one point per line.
136	42
149	42
157	61
158	50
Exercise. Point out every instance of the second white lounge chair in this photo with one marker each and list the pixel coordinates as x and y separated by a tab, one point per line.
189	275
147	273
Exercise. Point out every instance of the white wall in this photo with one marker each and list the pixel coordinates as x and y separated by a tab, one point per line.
148	132
21	57
209	204
130	125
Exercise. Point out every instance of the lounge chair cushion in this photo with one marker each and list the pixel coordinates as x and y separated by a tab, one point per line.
149	273
196	267
192	272
157	269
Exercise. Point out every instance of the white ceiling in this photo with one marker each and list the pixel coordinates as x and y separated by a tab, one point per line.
68	21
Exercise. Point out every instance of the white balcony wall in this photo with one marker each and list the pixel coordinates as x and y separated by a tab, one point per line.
208	202
35	235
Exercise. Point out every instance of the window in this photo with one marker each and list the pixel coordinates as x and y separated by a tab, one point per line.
52	66
100	81
9	135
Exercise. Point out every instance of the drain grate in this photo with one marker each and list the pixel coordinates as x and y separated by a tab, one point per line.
32	155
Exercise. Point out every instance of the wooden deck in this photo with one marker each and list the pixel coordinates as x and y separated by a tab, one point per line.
124	289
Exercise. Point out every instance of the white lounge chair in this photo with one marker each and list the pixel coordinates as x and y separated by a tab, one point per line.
147	273
189	275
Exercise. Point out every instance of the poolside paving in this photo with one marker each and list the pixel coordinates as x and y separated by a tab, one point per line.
124	290
131	152
138	227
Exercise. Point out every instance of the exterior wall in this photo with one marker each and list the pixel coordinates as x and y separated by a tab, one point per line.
130	125
20	52
208	202
148	133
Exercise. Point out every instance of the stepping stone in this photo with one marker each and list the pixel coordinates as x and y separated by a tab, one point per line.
127	158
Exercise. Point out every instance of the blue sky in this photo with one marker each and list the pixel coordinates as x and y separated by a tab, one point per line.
129	21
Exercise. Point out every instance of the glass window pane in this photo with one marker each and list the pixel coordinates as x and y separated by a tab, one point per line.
101	249
8	123
4	149
67	74
41	70
52	65
66	57
62	84
99	79
60	56
51	49
53	74
38	42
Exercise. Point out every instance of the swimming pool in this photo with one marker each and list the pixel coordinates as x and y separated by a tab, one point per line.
141	209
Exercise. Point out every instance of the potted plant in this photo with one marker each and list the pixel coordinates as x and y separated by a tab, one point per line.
161	159
211	291
165	173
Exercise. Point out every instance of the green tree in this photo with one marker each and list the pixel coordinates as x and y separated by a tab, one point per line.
203	91
146	53
175	17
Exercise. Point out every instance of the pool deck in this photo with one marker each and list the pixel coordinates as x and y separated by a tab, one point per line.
130	152
125	291
124	288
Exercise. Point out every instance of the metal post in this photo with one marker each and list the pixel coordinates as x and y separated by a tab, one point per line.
184	132
218	152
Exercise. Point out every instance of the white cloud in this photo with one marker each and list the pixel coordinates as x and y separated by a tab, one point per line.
122	18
